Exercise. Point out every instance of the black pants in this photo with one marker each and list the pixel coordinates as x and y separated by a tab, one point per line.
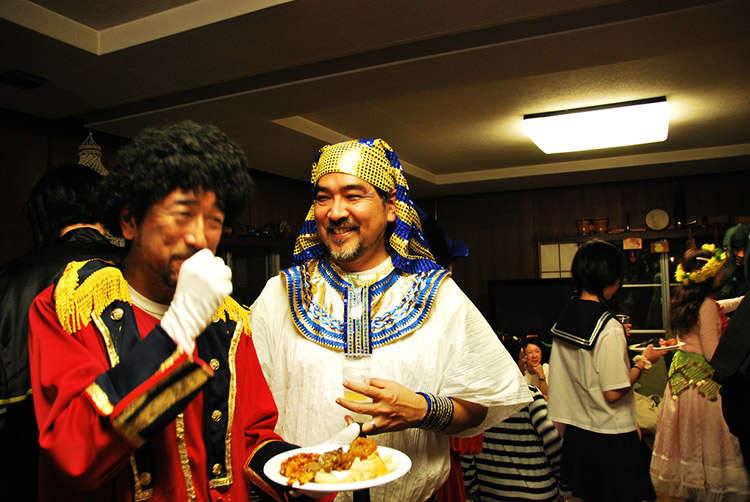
19	452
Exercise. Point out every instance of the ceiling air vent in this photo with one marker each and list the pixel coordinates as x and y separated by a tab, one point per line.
21	80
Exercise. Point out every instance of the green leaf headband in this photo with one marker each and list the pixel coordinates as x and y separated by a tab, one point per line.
712	267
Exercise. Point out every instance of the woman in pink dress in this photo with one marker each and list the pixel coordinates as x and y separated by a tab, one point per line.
695	456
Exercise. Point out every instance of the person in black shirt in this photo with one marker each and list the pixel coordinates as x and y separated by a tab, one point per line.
61	210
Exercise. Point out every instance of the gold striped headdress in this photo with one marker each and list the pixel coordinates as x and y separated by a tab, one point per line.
374	161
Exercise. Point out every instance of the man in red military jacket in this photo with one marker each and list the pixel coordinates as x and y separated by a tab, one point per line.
145	380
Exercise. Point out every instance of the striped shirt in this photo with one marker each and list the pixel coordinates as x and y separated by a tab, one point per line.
520	459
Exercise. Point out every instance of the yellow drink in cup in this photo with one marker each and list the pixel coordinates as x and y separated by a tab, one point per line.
350	395
356	368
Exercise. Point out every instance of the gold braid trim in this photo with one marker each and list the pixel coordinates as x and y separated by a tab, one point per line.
235	312
254	481
184	459
143	478
74	303
100	399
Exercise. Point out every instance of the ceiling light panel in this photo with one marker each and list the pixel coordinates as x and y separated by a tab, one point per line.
605	126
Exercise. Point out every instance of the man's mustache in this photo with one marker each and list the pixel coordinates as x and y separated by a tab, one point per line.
340	224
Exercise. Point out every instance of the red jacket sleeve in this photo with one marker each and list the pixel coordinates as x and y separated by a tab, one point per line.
92	414
81	443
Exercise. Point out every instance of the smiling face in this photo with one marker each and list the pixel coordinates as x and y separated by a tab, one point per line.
171	231
352	219
533	354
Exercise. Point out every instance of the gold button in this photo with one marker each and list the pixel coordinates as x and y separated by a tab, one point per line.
116	314
216	416
217	469
145	478
214	363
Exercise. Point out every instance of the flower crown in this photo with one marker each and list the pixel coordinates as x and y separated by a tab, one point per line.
707	271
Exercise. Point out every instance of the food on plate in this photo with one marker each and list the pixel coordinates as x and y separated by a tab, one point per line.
362	448
643	345
362	462
657	342
300	467
369	468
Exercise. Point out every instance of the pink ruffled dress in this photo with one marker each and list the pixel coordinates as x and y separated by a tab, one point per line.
695	456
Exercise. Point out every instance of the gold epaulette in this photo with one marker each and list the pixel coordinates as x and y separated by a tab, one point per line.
236	313
74	302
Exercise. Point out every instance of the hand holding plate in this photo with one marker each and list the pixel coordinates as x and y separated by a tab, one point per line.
651	354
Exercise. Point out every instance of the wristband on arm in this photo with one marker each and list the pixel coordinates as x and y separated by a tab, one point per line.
439	412
646	363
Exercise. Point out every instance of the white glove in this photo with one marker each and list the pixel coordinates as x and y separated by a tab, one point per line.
203	284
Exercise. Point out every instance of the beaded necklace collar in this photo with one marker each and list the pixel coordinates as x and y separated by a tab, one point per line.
357	316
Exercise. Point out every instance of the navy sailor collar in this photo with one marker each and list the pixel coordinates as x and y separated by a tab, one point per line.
581	322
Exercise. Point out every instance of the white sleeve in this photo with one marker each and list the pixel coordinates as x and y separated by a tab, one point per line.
611	358
263	321
479	368
730	304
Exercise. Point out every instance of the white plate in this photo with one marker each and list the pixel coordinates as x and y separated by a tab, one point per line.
402	461
636	347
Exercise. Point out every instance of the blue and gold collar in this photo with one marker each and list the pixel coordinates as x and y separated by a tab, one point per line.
360	316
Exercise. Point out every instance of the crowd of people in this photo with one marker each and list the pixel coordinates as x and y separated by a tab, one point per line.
150	381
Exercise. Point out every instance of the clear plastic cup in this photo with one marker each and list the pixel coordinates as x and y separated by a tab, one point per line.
625	321
356	368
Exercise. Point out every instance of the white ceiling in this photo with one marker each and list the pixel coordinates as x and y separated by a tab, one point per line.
446	83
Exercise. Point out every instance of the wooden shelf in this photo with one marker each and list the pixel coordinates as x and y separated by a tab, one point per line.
667	233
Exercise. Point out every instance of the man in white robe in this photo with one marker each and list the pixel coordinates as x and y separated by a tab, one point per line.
364	282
